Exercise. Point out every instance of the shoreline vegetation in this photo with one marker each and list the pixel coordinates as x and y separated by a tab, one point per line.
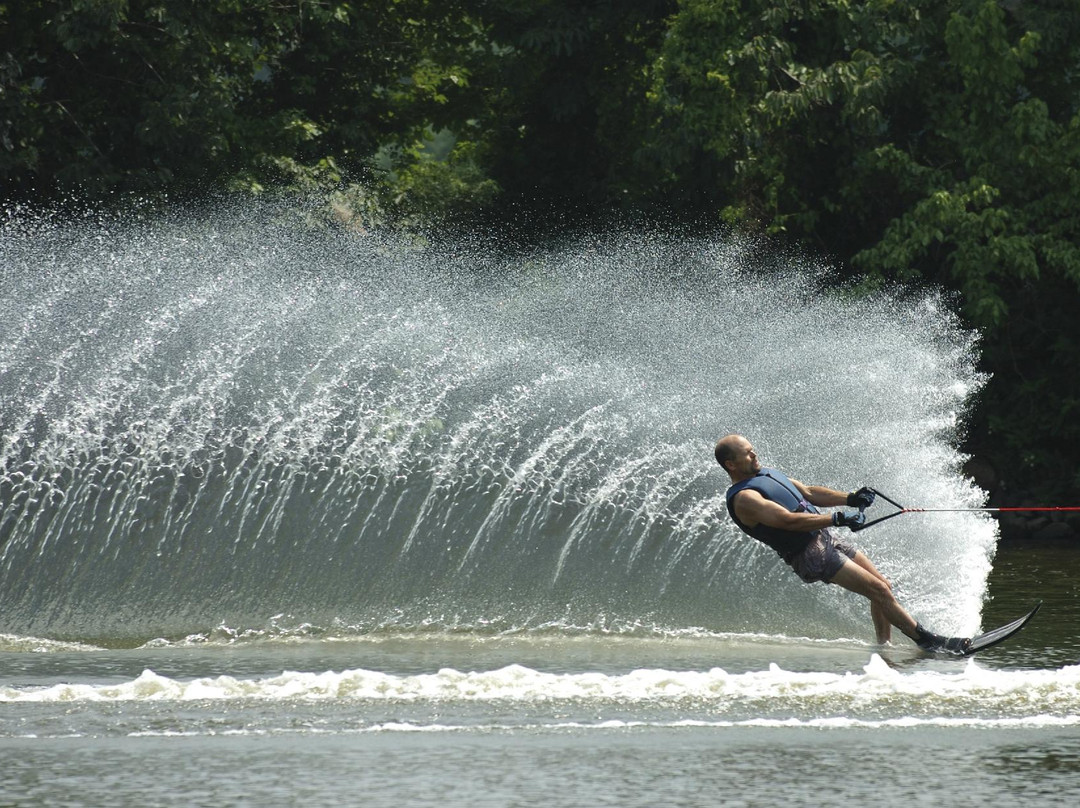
911	144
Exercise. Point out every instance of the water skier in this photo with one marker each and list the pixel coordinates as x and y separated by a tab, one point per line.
783	514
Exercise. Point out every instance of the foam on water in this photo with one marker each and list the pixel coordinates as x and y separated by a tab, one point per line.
877	694
13	643
209	419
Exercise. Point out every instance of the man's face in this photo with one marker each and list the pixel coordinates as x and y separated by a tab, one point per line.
746	460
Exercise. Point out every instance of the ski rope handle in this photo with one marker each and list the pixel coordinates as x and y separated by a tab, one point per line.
901	509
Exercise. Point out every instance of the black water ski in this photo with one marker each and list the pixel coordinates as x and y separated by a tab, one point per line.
999	634
961	646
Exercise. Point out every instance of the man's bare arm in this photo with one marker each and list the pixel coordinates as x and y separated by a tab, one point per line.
753	509
821	496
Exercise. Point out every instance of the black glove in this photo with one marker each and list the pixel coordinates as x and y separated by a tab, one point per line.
849	519
863	498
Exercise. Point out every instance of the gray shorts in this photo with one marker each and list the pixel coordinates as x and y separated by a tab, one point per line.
822	558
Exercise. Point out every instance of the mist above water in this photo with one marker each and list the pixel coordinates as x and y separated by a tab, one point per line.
221	417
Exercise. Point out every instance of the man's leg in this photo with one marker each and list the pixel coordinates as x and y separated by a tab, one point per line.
882	626
861	577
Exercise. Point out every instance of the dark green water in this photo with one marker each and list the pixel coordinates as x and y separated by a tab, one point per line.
1023	573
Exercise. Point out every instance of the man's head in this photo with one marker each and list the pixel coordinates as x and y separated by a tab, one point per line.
737	457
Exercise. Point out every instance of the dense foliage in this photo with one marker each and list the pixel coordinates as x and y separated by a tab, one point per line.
919	141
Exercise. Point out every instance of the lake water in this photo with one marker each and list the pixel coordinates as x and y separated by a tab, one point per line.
290	515
547	718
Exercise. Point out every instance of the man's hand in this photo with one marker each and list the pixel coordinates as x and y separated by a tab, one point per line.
863	498
849	519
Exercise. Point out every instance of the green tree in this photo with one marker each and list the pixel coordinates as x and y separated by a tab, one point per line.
914	141
144	95
997	216
564	89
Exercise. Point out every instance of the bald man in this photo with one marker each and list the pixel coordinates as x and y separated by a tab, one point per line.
783	514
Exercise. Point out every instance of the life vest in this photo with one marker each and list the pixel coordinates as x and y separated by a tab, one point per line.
774	486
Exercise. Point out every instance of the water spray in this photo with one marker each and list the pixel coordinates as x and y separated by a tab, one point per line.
210	419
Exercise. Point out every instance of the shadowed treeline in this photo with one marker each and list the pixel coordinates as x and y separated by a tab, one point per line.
912	143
